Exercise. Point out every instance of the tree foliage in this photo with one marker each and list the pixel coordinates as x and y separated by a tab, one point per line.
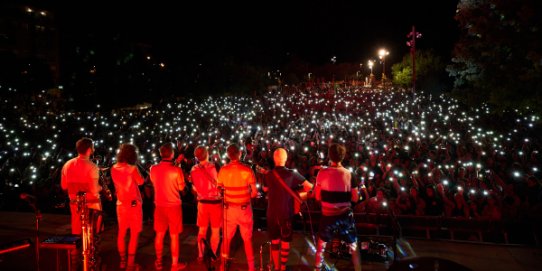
498	57
429	68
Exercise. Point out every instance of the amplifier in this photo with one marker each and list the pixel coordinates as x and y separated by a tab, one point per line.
68	243
62	242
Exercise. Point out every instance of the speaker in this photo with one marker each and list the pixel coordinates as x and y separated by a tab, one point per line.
427	263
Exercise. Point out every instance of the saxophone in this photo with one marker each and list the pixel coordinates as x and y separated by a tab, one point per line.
106	192
88	219
105	188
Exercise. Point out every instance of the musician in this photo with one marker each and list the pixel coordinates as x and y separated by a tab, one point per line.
80	174
168	182
204	179
239	184
280	210
127	178
335	190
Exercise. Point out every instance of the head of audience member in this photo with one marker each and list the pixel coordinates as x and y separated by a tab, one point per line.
380	196
166	151
413	192
336	153
532	181
127	153
85	146
234	152
280	156
201	154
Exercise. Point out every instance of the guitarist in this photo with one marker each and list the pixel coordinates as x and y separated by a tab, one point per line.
204	176
279	183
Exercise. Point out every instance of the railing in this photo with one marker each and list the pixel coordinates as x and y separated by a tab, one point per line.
521	231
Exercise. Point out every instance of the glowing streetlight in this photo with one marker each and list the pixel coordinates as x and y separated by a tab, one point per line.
382	53
371	63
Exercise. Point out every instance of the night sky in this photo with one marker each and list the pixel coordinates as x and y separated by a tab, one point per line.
267	32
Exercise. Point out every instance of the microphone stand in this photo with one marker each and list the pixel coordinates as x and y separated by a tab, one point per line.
38	218
396	229
37	215
223	264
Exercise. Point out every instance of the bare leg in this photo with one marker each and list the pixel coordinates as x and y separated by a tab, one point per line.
174	248
319	257
158	247
202	234
275	247
215	239
121	246
132	247
356	257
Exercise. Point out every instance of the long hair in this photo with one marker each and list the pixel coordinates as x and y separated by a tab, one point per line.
127	154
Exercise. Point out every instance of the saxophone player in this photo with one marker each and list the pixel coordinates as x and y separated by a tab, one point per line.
80	174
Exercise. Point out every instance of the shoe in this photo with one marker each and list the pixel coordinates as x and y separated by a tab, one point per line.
122	264
199	259
158	265
178	266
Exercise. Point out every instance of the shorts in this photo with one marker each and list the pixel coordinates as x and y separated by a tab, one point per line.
168	217
342	225
129	217
280	229
210	213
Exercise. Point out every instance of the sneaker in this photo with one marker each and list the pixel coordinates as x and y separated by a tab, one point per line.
122	264
178	266
158	265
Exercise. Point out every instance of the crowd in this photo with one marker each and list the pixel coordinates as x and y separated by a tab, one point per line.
412	153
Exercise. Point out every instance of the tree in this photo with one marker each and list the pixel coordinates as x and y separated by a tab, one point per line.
429	70
498	57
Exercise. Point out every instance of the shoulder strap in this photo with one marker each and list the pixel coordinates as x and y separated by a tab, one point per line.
285	186
213	181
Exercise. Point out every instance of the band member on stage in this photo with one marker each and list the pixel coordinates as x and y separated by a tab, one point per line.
336	190
127	178
239	184
280	210
204	179
168	182
81	174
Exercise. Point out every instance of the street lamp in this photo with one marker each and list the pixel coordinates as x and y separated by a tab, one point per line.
371	63
382	53
413	35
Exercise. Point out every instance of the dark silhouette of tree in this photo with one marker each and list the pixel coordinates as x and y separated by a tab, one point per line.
498	57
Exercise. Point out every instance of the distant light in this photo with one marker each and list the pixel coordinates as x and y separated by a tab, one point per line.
162	65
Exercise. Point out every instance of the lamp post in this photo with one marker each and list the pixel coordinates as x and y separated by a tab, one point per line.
382	53
413	35
371	63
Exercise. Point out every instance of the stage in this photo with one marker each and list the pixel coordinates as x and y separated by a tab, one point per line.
20	226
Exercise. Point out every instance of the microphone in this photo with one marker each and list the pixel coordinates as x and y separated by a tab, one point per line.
27	197
96	159
31	200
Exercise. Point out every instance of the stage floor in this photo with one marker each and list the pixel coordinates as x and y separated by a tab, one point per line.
17	226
